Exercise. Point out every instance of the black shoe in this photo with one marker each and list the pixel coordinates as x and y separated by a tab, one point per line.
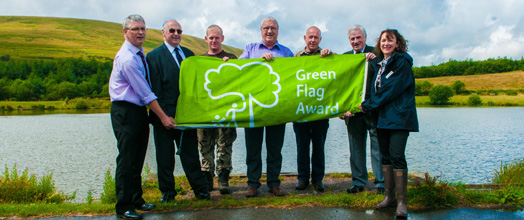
223	182
146	207
203	195
355	189
381	190
167	199
301	185
131	214
319	186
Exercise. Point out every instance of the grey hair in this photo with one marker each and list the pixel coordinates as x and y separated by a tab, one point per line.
130	18
357	27
215	26
269	19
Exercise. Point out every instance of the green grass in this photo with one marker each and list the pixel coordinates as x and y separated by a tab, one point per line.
49	38
487	100
423	193
510	174
77	103
26	188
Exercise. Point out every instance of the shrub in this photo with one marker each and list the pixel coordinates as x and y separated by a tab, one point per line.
474	100
459	87
509	174
511	195
81	104
89	198
109	194
511	92
440	95
423	87
432	193
25	188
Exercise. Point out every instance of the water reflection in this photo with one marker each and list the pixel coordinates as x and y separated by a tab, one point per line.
461	144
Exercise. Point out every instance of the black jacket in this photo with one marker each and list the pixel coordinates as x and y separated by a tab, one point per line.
395	99
164	74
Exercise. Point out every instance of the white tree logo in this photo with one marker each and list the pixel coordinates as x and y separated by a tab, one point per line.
219	120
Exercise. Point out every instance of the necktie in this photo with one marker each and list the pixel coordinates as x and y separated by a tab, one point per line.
145	66
178	57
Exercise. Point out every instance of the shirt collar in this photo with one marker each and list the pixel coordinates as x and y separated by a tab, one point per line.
261	43
171	48
362	51
304	52
132	47
385	61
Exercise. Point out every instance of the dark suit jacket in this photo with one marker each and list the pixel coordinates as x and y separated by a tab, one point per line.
164	74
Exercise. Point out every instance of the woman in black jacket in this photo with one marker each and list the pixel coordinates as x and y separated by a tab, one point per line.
393	96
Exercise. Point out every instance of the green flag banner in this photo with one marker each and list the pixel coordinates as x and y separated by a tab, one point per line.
256	93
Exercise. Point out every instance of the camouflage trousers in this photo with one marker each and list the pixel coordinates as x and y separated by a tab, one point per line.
223	138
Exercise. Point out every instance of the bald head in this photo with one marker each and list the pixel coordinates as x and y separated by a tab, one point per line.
312	39
172	32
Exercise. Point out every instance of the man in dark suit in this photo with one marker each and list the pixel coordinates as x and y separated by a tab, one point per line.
164	65
359	124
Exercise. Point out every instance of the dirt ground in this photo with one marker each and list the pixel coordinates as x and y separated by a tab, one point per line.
333	183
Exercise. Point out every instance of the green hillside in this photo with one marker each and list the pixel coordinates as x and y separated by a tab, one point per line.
49	38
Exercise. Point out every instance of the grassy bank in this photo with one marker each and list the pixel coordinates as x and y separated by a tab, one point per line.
77	103
105	103
487	100
424	192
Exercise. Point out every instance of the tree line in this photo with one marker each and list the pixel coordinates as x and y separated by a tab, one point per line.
469	67
55	79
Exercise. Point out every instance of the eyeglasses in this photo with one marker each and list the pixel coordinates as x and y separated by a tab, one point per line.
269	27
172	30
138	29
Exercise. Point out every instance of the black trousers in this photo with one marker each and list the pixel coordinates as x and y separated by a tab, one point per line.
392	145
131	128
314	132
274	143
189	157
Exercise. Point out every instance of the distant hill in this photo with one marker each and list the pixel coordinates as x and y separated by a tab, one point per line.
49	38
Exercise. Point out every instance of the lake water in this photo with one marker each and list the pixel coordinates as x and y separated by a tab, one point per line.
461	144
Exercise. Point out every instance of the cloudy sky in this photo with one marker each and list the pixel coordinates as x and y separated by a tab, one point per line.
437	30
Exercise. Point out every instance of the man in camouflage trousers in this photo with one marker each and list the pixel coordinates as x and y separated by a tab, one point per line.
223	138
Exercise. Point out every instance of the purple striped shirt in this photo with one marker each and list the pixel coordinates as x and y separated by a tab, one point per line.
128	77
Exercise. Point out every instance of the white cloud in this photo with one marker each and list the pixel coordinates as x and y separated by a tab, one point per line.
437	30
501	43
